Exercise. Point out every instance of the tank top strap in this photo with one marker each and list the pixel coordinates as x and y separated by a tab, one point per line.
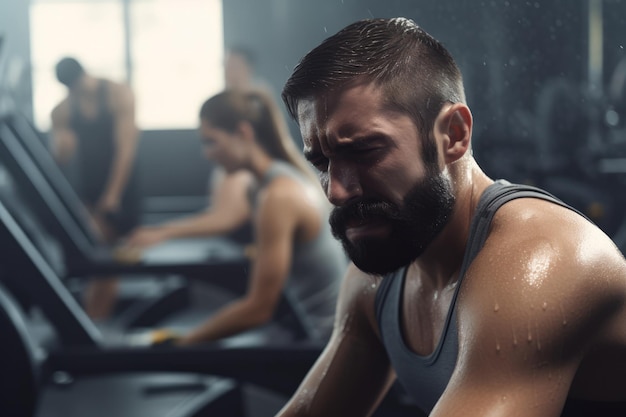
385	288
494	197
426	377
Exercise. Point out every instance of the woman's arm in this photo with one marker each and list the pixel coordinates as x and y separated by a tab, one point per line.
230	209
275	222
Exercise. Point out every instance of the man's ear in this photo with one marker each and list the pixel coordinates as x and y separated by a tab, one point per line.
454	126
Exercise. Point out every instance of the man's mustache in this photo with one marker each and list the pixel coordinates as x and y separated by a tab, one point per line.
362	210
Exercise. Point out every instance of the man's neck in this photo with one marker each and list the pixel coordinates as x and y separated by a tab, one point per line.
442	260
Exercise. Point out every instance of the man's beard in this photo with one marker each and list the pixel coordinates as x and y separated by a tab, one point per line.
426	209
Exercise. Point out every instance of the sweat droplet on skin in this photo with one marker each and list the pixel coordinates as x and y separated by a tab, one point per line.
368	289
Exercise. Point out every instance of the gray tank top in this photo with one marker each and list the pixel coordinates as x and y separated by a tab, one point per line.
317	265
425	377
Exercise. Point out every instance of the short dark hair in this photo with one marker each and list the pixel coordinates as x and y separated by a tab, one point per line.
69	71
416	72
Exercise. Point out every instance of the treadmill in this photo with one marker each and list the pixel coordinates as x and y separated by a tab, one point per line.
67	220
80	364
81	347
276	361
218	261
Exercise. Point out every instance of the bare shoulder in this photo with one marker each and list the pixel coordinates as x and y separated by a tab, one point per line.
239	179
122	95
541	230
241	175
279	208
545	271
119	88
284	191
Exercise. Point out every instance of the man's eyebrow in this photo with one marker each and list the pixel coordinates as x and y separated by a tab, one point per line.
360	142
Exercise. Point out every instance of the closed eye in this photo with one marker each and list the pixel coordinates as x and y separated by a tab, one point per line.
365	154
319	163
364	151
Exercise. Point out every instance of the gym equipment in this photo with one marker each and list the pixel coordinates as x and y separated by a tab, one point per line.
272	360
218	261
82	254
580	154
31	385
80	349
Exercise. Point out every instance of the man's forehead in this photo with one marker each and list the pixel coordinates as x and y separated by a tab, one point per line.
340	109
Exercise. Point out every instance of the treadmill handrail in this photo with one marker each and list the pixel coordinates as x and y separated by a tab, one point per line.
44	201
24	266
42	157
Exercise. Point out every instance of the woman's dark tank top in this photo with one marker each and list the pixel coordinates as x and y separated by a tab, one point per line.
425	378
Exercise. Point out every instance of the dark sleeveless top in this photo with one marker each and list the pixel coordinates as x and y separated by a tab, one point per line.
425	377
95	153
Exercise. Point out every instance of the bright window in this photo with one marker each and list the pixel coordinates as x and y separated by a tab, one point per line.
171	51
177	55
92	32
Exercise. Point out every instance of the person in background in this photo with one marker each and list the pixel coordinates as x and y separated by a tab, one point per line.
295	250
239	68
229	212
95	124
481	297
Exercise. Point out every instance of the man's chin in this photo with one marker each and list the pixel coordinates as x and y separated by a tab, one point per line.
377	258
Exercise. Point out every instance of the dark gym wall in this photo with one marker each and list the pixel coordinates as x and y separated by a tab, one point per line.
507	51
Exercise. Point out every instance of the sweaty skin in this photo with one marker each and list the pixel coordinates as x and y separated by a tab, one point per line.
541	311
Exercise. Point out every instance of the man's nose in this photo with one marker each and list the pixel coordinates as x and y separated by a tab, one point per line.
343	183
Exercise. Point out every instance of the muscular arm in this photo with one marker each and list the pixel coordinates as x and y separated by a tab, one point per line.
353	373
532	306
275	223
126	138
230	208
